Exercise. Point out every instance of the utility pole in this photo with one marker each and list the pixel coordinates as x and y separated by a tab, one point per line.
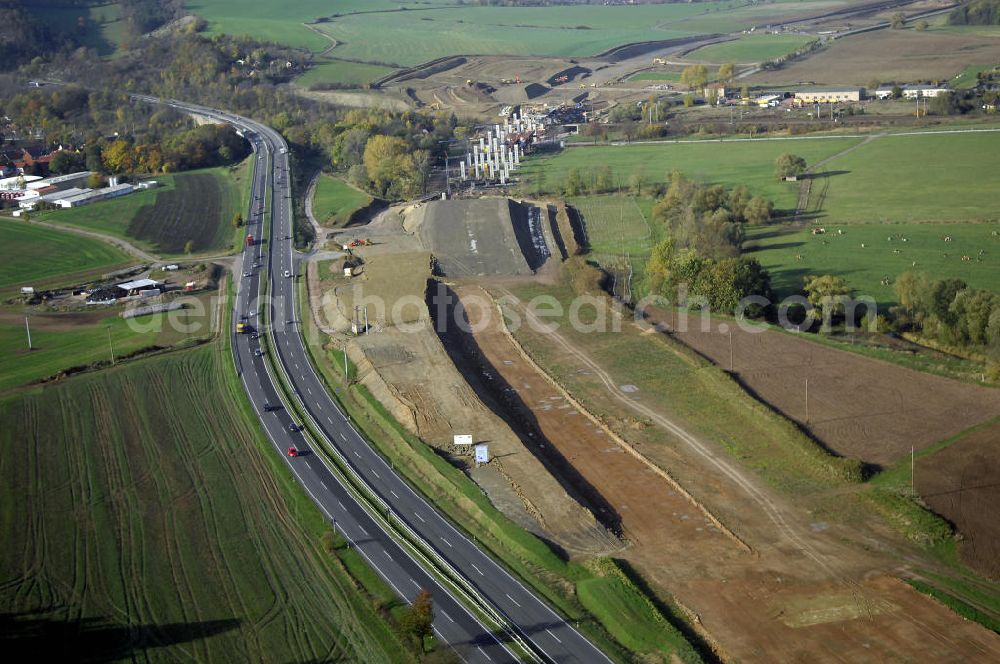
807	401
912	468
366	320
28	329
731	366
111	346
447	173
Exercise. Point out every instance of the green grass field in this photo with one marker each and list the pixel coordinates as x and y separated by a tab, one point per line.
752	48
408	32
103	28
729	163
63	341
34	255
791	253
144	518
899	186
335	200
967	78
196	205
619	233
340	72
914	178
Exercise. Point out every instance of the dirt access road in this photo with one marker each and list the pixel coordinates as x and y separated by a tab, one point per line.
810	591
659	517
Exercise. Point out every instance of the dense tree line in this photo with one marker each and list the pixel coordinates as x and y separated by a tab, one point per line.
71	115
699	261
709	219
25	37
977	12
948	311
108	132
688	278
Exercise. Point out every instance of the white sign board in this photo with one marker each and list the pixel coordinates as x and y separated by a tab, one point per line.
463	439
482	453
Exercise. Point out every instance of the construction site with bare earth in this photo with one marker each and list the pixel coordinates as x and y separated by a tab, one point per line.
616	435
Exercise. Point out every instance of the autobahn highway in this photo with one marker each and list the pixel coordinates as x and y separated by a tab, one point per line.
547	634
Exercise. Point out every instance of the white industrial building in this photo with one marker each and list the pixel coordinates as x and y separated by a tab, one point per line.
912	91
60	181
94	195
74	197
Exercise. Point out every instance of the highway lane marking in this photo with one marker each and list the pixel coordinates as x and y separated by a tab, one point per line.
324	485
309	390
553	635
386	554
362	528
447	542
356	454
477	569
376	474
419	587
513	600
341	505
344	438
419	517
328	419
479	648
393	493
445	614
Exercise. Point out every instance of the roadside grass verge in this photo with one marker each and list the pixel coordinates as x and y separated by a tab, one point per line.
629	614
957	605
335	201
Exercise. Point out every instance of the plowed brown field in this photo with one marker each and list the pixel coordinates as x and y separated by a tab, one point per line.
858	407
962	483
